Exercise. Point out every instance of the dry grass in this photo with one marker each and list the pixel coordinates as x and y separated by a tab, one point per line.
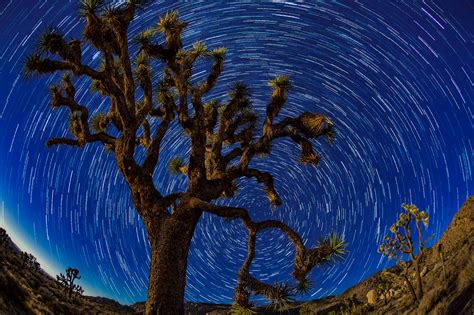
439	309
466	276
431	298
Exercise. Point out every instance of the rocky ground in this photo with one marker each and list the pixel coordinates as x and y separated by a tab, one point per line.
448	283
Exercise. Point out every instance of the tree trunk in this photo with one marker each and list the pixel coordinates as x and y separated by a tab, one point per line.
169	242
441	258
419	288
410	287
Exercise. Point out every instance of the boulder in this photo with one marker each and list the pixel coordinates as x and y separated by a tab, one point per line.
371	297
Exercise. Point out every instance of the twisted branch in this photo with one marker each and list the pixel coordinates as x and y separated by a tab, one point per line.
305	259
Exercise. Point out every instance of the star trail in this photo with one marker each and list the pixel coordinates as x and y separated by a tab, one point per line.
396	78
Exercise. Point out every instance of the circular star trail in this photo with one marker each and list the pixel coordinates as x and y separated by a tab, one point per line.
397	79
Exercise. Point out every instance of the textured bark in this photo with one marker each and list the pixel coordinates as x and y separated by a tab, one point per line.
169	242
410	287
419	285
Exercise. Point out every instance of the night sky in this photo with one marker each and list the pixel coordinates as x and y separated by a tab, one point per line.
397	80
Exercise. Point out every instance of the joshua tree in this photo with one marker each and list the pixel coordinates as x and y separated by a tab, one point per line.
3	242
402	243
78	290
383	284
29	261
224	136
3	237
67	281
440	251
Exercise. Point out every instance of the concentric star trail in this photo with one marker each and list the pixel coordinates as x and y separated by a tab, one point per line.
396	78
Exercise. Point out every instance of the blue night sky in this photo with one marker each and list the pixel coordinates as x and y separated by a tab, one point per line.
396	78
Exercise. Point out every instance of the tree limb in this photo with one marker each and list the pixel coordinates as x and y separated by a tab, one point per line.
305	259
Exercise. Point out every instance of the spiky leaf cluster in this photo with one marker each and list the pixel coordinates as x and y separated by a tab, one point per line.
199	48
239	91
281	82
218	53
280	296
87	7
313	125
328	250
170	22
99	122
142	64
171	26
177	166
146	36
50	41
304	286
336	246
32	65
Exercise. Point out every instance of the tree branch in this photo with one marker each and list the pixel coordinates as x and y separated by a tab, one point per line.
98	137
82	134
305	259
154	149
47	65
213	75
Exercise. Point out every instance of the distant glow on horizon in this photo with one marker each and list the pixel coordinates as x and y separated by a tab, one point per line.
25	244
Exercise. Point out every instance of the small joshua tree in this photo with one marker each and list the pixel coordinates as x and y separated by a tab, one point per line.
401	243
28	261
3	237
67	281
383	284
440	251
3	242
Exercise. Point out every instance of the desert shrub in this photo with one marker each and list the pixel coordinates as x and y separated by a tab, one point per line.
431	298
466	276
240	310
35	282
28	261
13	295
60	308
440	309
306	309
360	309
315	308
45	295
